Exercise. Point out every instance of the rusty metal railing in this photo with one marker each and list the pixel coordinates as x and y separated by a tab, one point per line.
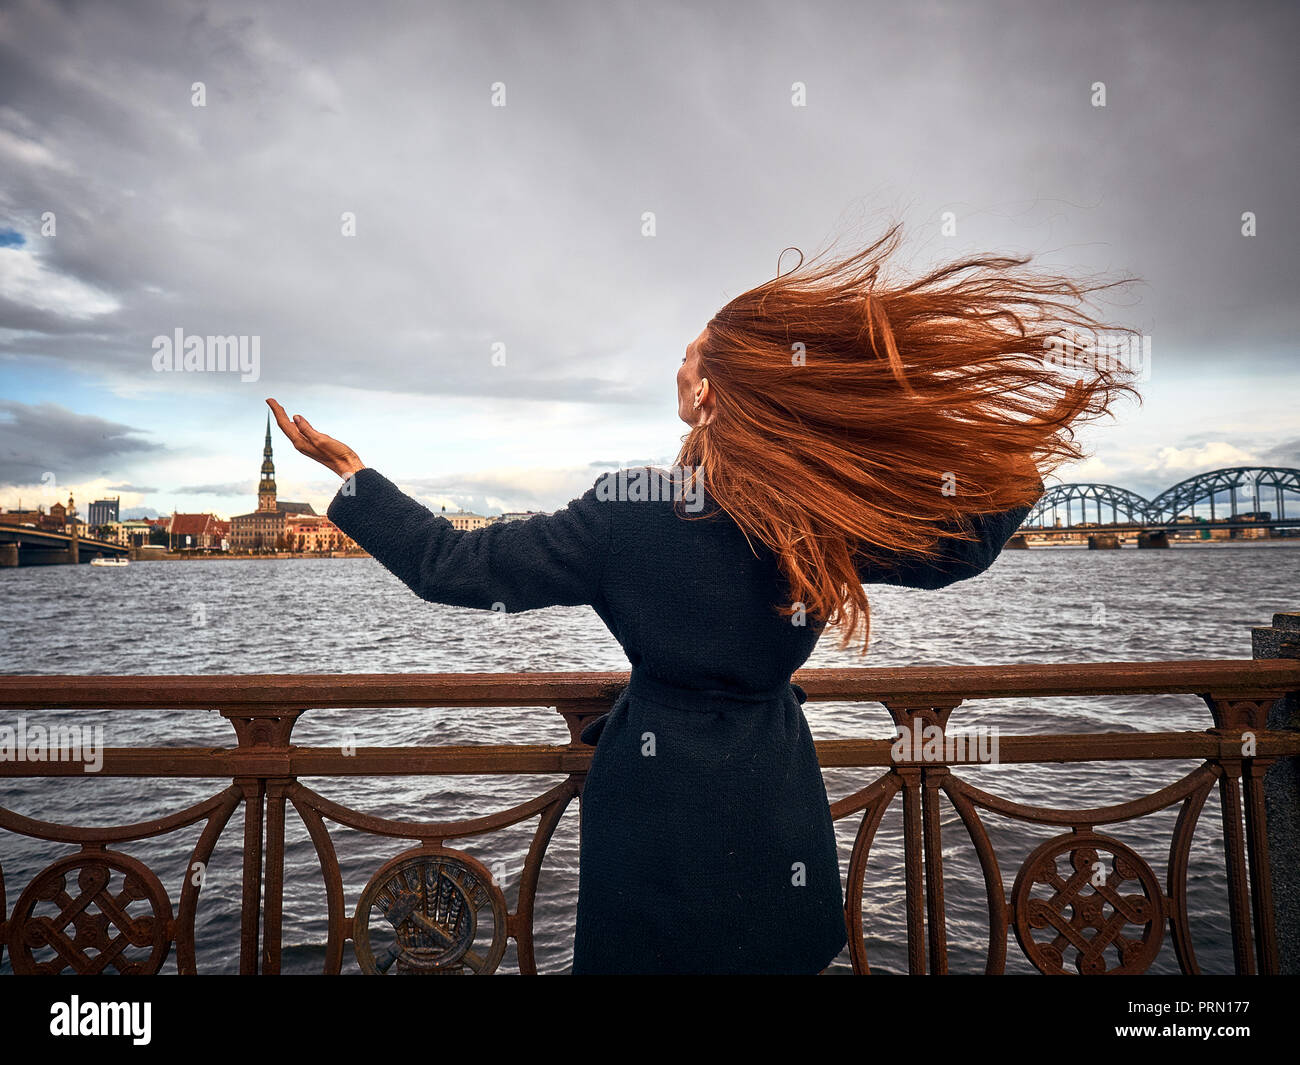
450	915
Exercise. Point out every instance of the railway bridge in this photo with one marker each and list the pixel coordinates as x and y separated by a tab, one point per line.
1222	493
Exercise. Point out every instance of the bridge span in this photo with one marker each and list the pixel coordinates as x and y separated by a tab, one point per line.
1196	503
21	545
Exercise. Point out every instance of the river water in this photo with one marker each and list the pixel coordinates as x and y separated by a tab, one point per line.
350	616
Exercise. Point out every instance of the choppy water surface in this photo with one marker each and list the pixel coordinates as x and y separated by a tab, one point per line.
350	616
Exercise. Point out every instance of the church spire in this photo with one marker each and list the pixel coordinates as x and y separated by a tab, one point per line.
266	486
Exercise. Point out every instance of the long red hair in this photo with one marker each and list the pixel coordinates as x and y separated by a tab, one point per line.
860	416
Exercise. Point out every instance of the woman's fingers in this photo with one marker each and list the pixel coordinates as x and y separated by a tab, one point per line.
291	431
282	420
311	434
316	445
324	446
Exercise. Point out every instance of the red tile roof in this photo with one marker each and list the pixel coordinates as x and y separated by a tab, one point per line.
193	525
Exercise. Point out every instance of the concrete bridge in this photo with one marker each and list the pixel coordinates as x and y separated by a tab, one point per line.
21	545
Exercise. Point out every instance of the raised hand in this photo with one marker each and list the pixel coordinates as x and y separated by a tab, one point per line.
329	452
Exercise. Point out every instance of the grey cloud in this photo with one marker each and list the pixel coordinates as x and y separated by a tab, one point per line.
1287	453
471	492
521	225
229	488
36	439
136	513
141	489
488	493
621	463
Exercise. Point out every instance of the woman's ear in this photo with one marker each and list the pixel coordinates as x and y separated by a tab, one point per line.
704	402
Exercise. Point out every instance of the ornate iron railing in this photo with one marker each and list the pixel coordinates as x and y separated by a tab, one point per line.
96	907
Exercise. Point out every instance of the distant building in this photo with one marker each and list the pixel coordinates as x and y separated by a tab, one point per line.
158	535
103	511
60	518
131	533
20	516
194	532
464	519
265	529
519	515
312	533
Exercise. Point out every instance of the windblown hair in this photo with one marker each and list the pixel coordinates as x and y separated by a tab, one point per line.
862	419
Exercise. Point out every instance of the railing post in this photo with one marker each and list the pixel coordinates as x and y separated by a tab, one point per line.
913	868
922	845
264	733
1234	849
273	906
1282	795
250	910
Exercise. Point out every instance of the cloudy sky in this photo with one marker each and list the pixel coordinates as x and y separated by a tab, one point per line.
516	230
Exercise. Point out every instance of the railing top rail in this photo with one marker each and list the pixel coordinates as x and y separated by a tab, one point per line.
1245	677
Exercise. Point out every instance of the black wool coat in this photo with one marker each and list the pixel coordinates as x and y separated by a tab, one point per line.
706	837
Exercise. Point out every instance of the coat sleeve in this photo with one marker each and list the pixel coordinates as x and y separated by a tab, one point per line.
549	560
958	560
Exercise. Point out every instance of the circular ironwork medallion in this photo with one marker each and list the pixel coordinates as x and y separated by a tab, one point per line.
1102	911
430	912
89	912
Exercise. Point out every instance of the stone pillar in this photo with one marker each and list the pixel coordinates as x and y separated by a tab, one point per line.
74	546
8	555
1282	796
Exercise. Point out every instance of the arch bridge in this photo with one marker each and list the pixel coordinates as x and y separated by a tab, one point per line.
1232	497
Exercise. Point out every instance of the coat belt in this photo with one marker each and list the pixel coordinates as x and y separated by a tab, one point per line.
710	700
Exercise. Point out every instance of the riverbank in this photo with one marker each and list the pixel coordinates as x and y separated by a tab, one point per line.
1179	545
193	556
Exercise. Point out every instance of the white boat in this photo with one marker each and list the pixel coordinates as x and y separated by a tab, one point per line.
114	563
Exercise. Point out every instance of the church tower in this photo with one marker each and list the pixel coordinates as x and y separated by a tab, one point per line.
266	486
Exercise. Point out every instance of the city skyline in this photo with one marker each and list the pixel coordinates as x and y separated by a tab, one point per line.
86	513
391	246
